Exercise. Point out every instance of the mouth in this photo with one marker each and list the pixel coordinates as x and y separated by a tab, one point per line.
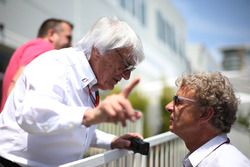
171	118
171	122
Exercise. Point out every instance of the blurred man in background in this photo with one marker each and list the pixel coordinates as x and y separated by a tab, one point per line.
52	34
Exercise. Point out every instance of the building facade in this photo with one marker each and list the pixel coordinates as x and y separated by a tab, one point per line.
200	58
236	65
236	58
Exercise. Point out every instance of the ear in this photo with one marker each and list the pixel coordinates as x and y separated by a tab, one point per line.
51	35
95	54
94	50
207	114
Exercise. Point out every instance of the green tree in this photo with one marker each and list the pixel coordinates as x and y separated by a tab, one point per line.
165	97
140	102
244	120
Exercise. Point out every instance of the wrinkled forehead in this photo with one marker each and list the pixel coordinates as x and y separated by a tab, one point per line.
125	50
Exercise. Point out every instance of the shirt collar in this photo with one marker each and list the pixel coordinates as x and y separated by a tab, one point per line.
201	153
86	74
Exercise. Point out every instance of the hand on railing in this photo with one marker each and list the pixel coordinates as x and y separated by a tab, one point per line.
114	108
131	141
139	146
123	142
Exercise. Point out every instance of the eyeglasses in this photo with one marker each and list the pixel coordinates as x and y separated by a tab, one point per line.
178	99
128	67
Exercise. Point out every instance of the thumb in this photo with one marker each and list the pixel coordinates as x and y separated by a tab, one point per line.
127	90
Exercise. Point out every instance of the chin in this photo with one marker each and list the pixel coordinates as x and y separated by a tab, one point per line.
106	87
111	87
171	128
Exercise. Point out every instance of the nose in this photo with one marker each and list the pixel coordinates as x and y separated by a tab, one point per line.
126	75
170	107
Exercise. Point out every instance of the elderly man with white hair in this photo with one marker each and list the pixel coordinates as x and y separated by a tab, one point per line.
50	117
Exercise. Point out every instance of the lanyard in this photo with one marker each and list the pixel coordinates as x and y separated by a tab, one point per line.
95	100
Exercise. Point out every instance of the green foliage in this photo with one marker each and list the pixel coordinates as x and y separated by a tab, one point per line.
116	90
138	101
244	120
165	98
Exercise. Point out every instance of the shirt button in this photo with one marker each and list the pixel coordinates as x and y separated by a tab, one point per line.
85	80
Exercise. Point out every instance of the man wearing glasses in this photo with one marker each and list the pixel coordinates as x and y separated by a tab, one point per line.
50	117
202	113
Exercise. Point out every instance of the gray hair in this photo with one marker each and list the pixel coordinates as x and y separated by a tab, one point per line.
111	33
213	90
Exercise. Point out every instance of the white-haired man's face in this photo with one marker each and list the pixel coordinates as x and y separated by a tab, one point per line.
111	67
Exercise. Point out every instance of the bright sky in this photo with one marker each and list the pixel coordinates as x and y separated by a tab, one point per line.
216	23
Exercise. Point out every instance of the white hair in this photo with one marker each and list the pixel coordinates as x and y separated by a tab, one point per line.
111	33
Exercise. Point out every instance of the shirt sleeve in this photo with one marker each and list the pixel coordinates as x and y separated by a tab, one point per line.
44	113
102	139
42	103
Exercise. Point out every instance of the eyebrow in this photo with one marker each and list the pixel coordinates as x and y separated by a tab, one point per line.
124	60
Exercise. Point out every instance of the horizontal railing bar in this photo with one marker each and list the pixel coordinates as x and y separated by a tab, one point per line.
108	156
99	159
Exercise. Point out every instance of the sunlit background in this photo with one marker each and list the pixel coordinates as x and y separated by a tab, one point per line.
178	37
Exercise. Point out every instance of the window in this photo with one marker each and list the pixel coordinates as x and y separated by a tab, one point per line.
231	60
136	7
166	33
160	27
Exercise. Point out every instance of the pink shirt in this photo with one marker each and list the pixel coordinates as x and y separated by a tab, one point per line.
21	57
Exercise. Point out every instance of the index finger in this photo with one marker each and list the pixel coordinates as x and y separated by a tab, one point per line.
126	91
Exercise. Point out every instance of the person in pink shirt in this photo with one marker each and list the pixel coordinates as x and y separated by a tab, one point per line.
52	34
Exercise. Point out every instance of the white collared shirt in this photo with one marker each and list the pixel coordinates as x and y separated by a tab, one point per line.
217	152
41	121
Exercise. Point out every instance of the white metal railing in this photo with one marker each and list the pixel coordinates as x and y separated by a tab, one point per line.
166	150
118	130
